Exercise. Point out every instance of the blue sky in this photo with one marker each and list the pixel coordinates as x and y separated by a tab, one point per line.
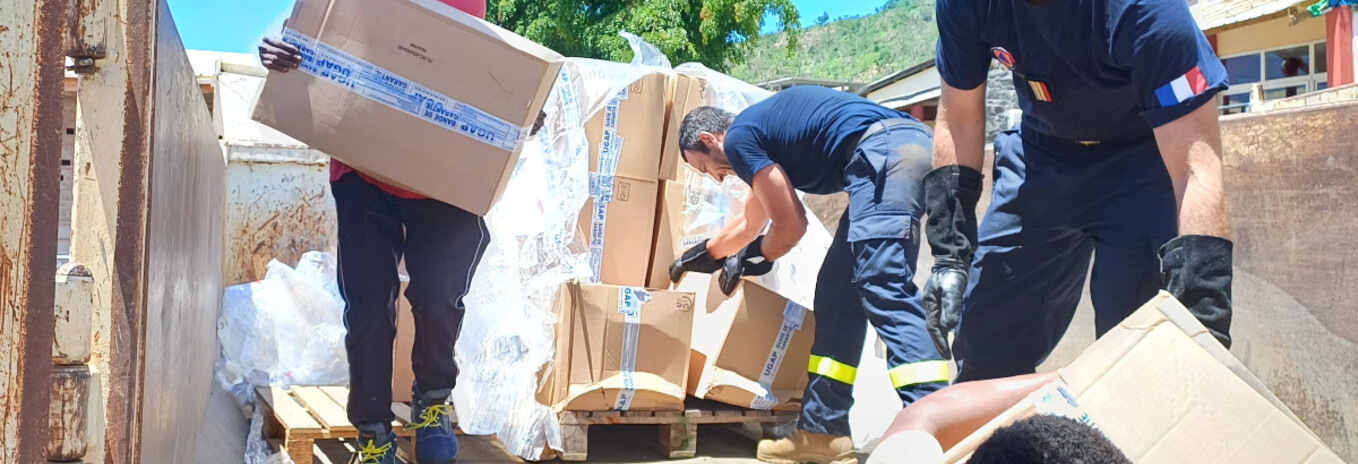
237	25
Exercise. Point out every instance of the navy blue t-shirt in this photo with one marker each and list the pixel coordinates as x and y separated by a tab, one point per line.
1105	70
810	131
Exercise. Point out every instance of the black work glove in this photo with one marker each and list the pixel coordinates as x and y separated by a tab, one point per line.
1196	269
951	193
695	259
748	262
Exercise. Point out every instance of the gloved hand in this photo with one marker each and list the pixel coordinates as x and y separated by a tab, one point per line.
1197	270
951	193
694	259
748	262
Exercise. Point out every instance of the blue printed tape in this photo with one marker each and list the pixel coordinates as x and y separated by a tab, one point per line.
340	68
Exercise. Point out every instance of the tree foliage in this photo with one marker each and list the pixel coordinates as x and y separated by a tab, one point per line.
717	33
899	34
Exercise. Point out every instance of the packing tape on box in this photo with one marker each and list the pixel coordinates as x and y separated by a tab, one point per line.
630	301
793	315
1053	399
361	77
601	182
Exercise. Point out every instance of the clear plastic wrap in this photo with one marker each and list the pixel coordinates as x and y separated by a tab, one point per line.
259	325
507	336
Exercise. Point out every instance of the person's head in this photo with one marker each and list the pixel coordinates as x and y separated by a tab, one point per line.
1048	439
700	140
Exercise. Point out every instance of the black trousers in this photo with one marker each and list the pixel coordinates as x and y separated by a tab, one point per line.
442	245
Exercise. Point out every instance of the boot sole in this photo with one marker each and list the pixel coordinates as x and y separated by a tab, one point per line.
846	458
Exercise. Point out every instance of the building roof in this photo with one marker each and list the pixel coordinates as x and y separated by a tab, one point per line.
895	77
1212	15
779	84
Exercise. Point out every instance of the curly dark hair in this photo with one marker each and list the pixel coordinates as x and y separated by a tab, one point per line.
1048	439
702	119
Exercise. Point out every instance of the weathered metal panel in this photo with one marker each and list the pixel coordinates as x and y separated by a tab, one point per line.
31	46
184	246
74	301
278	207
69	416
1291	192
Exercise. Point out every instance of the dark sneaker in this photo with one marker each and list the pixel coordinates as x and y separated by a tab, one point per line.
376	445
431	420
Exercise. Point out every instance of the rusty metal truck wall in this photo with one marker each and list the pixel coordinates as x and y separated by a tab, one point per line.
1293	199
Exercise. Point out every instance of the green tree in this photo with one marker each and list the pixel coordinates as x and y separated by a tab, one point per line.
717	33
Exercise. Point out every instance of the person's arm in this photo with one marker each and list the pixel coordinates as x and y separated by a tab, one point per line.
774	192
741	230
1191	149
953	413
959	133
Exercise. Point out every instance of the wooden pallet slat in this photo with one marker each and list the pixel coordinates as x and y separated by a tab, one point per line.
678	430
329	413
291	415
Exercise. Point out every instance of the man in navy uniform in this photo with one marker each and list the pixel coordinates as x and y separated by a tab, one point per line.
821	141
1117	157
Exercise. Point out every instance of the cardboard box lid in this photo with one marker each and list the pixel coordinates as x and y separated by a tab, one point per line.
636	120
594	342
1159	393
746	342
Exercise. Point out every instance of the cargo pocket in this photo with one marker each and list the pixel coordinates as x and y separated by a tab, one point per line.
884	246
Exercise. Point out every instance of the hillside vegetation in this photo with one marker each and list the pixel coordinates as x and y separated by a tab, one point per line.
861	49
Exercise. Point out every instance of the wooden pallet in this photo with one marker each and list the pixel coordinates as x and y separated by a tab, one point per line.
678	437
296	417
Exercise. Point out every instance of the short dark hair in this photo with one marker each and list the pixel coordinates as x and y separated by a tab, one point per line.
1047	439
702	119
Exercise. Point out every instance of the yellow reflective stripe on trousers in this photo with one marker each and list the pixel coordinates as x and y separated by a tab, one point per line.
906	375
833	369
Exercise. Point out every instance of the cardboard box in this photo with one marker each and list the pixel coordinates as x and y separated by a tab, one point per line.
412	92
402	372
749	350
631	129
623	233
686	94
686	215
1164	391
602	328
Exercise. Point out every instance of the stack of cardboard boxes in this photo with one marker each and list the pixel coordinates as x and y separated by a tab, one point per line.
631	341
381	88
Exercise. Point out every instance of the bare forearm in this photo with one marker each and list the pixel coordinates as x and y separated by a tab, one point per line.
955	412
737	233
782	237
959	137
1191	149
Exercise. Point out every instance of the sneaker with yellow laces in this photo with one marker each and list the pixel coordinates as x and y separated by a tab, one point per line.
431	420
808	447
376	445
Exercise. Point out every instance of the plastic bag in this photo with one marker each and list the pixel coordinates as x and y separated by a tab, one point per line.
259	325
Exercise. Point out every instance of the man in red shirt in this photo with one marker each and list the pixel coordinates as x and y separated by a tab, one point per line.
442	244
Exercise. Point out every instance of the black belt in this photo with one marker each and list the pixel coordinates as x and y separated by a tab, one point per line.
883	125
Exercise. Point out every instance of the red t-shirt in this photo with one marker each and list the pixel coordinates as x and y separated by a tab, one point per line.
475	8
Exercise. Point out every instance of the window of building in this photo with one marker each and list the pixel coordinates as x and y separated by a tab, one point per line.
1283	72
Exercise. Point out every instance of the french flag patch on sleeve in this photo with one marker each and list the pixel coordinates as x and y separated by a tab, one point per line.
1184	87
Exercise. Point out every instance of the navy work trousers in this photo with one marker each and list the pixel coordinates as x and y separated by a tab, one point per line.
442	245
1055	204
866	278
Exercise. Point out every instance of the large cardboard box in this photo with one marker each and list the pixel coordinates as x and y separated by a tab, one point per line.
619	231
687	214
686	94
412	92
1164	391
619	348
749	350
630	130
402	372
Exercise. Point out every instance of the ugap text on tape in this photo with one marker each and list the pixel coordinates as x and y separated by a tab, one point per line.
340	68
630	301
601	182
793	315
